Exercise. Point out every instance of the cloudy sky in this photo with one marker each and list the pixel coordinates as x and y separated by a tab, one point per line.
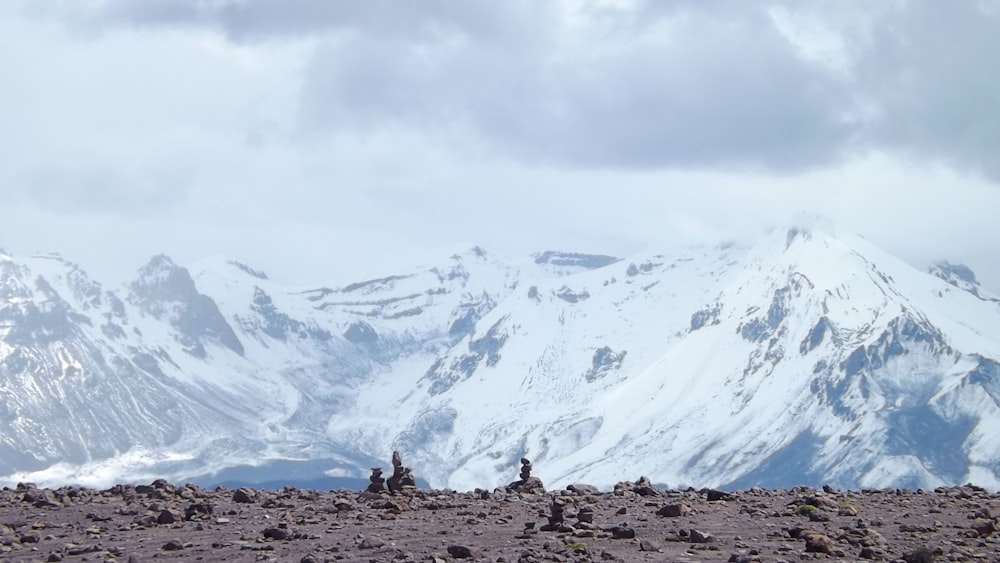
328	140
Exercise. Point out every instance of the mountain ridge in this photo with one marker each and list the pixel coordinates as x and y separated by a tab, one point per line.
807	355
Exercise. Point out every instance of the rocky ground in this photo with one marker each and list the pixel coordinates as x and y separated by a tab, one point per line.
635	522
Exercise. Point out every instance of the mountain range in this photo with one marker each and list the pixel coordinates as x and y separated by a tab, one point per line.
805	356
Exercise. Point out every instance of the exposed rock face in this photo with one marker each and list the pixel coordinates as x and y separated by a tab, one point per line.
166	290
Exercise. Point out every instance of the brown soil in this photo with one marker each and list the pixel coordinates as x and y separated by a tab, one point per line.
636	522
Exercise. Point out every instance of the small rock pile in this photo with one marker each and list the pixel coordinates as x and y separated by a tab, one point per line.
556	517
642	487
401	480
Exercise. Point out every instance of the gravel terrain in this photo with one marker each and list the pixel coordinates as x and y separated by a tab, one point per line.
634	522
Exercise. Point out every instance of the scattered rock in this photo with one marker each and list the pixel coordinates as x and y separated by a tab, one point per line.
583	489
622	532
197	511
672	510
713	495
649	545
280	534
642	487
459	552
173	545
30	537
244	495
984	528
816	542
696	536
922	555
167	517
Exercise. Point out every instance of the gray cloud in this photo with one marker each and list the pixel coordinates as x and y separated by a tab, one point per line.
262	20
696	90
660	84
329	140
929	71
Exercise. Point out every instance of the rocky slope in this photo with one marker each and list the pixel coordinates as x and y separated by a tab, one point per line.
633	522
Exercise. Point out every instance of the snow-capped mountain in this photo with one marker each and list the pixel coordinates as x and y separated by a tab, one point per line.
802	357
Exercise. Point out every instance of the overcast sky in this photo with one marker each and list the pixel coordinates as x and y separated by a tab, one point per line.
328	140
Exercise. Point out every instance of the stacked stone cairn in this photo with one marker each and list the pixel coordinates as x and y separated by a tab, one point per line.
376	482
556	517
402	477
526	483
525	469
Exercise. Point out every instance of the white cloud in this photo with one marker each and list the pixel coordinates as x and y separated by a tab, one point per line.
327	141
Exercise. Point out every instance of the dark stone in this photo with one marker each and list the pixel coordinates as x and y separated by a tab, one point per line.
583	489
696	536
817	516
532	485
30	537
459	552
984	528
144	490
244	495
672	511
714	495
622	533
166	517
83	549
197	510
172	545
816	542
369	543
922	555
41	498
279	534
648	545
647	491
